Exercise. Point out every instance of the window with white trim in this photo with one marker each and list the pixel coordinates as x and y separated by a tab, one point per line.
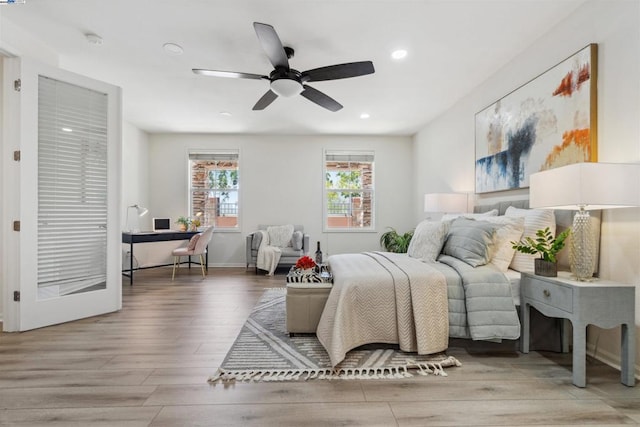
214	188
349	190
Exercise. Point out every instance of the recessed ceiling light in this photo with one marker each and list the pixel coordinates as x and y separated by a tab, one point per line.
66	130
173	49
225	113
364	116
94	39
399	54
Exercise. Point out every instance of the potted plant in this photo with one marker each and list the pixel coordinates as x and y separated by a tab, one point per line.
394	242
547	247
183	223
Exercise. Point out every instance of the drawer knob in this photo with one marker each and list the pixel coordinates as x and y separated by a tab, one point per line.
546	293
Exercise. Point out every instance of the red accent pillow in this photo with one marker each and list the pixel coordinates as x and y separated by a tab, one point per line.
193	242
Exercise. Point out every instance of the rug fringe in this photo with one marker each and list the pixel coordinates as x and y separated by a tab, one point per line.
421	368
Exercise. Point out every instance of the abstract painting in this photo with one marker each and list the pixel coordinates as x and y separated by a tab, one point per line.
546	123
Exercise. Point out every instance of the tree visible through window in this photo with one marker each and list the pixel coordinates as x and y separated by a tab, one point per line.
214	188
349	190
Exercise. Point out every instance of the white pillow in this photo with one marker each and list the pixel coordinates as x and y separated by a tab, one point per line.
511	230
534	220
280	235
479	216
427	240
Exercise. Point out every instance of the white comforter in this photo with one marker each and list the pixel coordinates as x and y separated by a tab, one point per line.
414	313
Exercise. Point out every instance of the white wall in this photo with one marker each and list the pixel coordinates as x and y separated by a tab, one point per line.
449	140
14	41
135	172
281	181
135	184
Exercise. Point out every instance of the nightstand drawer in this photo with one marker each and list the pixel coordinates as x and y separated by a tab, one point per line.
552	294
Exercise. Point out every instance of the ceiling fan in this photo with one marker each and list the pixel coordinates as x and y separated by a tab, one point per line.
287	82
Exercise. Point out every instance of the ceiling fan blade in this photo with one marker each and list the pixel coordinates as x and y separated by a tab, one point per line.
232	74
321	99
340	71
271	45
266	99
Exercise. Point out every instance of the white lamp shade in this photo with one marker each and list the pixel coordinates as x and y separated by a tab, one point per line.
141	211
588	185
445	202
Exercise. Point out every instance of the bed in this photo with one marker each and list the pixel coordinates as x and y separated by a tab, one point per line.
457	281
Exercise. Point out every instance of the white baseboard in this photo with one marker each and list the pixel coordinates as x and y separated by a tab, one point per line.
610	359
229	265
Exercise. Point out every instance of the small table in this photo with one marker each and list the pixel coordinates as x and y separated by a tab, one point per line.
305	301
602	303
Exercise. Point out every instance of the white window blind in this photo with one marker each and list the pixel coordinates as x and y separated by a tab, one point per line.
72	188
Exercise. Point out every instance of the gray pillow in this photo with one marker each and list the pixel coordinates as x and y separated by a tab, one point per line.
470	241
296	240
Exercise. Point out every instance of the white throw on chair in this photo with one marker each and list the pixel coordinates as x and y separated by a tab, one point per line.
197	246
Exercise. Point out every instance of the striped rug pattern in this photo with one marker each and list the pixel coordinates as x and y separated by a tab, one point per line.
263	351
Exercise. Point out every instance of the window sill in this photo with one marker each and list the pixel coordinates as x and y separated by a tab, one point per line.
227	230
349	230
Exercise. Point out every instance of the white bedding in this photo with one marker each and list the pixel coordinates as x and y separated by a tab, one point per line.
384	298
392	298
514	280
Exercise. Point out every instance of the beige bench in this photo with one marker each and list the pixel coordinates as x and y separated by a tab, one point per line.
305	302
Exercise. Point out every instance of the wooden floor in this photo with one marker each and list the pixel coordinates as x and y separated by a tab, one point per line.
148	365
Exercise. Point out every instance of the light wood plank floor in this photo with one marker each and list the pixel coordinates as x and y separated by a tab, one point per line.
148	365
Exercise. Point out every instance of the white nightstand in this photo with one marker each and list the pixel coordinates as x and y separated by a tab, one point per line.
602	303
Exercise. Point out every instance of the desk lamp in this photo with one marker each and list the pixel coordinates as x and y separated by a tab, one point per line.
139	210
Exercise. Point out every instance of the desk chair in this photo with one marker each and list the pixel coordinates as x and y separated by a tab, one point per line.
197	246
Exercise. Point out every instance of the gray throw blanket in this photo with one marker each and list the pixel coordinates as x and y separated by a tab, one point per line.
482	307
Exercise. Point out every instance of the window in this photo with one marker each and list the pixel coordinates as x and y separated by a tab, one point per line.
349	190
215	184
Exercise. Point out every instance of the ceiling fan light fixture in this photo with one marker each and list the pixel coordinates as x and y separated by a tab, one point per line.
286	87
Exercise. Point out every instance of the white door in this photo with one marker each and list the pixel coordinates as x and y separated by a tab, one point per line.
65	259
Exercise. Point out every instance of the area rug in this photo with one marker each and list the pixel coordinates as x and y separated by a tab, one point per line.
264	351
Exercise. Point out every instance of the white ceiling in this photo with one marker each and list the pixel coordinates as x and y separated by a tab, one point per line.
453	46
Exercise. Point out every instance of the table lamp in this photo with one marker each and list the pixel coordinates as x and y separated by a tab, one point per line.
139	210
584	187
445	202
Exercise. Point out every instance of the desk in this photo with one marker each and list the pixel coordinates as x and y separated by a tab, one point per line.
150	237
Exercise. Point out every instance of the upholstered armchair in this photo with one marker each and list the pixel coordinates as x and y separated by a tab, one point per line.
289	255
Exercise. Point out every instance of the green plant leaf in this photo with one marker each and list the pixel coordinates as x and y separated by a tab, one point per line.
545	245
394	242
